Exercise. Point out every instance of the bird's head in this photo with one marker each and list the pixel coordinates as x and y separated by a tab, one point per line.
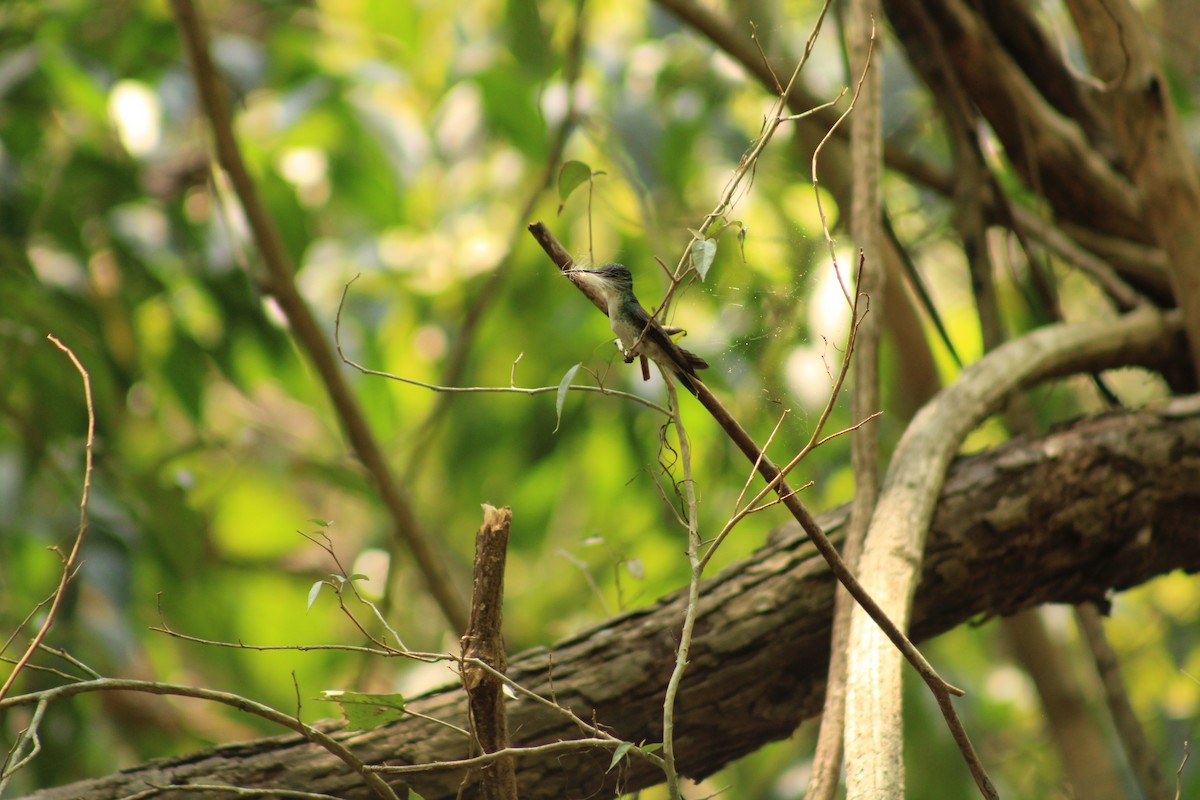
609	279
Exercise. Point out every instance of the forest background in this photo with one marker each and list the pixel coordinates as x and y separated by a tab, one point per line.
401	148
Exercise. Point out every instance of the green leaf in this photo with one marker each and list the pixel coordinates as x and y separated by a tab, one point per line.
703	253
324	523
366	711
618	754
561	397
571	175
184	371
313	591
526	34
510	108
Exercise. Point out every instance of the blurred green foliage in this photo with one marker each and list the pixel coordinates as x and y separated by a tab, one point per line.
398	141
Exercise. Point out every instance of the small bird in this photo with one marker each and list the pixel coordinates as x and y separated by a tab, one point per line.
628	319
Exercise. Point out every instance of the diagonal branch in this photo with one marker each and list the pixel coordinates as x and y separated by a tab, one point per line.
776	479
281	284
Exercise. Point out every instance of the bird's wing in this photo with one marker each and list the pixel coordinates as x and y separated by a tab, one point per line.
657	336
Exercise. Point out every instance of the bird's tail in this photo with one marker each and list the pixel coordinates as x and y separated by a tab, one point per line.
686	371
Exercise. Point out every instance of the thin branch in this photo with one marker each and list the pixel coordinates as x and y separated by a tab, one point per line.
1187	753
696	572
1132	735
382	651
1124	296
236	791
685	271
69	563
333	746
551	748
433	387
323	541
817	155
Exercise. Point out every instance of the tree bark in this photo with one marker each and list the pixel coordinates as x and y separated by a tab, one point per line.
1100	506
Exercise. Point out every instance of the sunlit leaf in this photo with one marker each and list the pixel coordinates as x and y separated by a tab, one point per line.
703	253
561	398
313	591
365	711
618	754
526	34
571	176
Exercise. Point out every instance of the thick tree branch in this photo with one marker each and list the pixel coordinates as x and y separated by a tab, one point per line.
1100	506
1153	149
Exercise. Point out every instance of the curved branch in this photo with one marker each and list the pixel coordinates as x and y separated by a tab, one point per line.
890	567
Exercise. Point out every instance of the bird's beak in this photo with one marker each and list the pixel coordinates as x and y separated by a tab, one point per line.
582	276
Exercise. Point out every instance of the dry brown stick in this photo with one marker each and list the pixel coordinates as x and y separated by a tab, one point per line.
281	284
484	641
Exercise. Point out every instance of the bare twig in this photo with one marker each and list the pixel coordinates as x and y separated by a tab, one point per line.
42	699
381	650
550	748
816	158
696	572
70	562
1187	753
235	791
344	579
433	387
